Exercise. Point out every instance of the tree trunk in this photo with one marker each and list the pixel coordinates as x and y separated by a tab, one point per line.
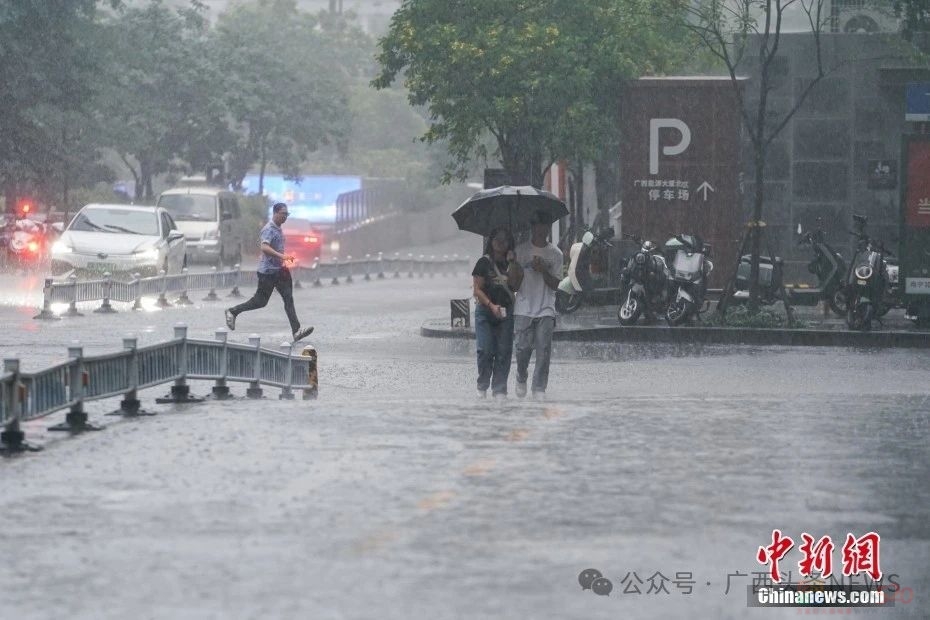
263	162
756	230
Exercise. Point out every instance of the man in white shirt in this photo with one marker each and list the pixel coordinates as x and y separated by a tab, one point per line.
540	269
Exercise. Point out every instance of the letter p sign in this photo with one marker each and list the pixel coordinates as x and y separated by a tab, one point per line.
655	124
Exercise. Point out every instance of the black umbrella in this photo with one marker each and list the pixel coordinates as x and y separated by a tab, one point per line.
509	206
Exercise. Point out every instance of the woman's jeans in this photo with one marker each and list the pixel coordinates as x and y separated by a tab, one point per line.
495	346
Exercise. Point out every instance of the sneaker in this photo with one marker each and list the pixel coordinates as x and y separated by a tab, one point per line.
521	389
482	393
230	320
302	333
541	396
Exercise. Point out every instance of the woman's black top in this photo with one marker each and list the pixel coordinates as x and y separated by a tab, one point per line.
495	288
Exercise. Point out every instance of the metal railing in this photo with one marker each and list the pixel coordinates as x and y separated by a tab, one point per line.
72	291
68	385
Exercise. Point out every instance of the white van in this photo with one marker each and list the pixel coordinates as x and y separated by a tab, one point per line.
211	222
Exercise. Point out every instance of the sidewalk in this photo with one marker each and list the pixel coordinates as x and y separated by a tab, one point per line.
599	324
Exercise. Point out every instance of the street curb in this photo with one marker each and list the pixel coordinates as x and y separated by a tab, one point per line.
717	335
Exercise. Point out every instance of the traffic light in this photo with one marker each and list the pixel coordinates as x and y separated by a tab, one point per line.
25	208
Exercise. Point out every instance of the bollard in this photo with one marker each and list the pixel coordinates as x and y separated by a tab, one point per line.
180	391
310	393
368	267
72	305
130	405
12	438
286	392
220	389
212	296
105	307
348	269
335	267
380	274
316	273
46	314
396	265
78	379
235	289
162	301
409	265
183	299
136	284
255	387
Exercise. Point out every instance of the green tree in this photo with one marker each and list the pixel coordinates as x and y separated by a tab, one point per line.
161	99
541	77
286	95
49	63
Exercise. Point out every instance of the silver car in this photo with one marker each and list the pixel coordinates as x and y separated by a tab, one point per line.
119	239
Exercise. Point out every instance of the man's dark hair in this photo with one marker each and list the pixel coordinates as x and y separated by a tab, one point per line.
278	206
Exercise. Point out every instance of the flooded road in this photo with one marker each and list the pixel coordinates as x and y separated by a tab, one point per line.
398	494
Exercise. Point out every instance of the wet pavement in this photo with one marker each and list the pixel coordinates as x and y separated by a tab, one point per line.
398	494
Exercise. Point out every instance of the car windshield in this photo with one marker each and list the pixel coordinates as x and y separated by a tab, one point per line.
298	226
116	221
189	207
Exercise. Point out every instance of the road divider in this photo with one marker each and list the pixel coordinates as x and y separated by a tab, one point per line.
30	396
107	289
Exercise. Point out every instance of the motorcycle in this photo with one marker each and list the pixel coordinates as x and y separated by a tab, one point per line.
690	269
645	284
578	286
25	245
867	282
829	267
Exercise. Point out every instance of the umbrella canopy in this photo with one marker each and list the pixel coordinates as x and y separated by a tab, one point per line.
510	206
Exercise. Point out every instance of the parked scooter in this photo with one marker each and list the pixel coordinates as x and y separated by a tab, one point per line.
690	269
867	282
771	279
578	286
645	284
829	267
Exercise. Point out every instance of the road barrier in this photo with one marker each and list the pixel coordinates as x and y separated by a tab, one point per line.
29	396
72	291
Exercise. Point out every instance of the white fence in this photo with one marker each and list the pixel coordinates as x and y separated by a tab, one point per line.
29	396
107	289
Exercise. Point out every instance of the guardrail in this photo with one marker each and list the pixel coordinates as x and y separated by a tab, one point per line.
72	291
68	385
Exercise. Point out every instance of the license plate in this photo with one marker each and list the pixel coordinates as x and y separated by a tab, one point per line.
102	267
862	282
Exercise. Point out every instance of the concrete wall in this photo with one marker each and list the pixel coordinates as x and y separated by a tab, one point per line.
817	166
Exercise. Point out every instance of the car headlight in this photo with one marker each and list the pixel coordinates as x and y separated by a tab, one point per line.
60	247
863	272
212	234
149	254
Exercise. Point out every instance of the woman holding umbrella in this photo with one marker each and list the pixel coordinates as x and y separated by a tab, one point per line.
493	280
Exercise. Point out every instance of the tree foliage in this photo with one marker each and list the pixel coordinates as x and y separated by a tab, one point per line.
543	76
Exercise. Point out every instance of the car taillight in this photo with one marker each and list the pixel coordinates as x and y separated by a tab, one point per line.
33	247
309	239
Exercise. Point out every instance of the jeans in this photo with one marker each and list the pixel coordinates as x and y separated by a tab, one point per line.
495	347
534	333
267	283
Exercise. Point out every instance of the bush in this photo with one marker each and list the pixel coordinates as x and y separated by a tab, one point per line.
739	316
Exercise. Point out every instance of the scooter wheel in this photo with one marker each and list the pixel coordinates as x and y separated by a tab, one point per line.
678	312
629	311
859	317
837	302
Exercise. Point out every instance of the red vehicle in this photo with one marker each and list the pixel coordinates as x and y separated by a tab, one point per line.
304	240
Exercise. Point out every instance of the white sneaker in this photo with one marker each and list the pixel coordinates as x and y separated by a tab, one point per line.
482	393
230	320
303	332
500	397
539	396
521	389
